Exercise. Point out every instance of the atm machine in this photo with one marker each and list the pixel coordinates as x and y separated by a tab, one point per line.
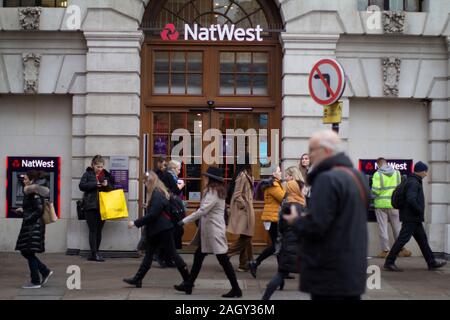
17	167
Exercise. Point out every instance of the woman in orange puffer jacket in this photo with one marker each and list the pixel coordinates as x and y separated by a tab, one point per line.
273	196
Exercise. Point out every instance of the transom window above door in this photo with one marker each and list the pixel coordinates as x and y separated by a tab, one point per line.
178	72
243	73
231	73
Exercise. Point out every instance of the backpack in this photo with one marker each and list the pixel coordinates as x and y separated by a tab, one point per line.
177	210
398	196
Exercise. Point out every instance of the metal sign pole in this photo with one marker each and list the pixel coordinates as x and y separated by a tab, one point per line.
335	127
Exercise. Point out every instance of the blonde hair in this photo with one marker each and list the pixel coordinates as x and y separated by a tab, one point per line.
152	182
173	164
295	173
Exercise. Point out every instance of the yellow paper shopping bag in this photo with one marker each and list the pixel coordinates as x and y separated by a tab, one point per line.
113	205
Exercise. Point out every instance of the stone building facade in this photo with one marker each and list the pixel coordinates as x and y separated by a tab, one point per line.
71	85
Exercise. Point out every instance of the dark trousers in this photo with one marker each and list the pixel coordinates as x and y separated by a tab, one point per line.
269	250
166	242
274	284
416	230
224	261
320	297
95	225
36	267
243	247
177	235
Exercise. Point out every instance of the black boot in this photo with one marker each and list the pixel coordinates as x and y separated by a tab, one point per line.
185	286
282	285
235	291
137	279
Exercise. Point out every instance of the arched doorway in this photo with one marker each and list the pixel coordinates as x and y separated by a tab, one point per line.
217	64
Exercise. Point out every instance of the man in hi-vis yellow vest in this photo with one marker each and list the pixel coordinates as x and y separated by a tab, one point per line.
384	182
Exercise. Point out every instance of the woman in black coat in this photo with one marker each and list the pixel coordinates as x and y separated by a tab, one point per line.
158	230
94	180
31	238
287	247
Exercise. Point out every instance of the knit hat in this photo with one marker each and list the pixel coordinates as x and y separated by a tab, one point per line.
420	167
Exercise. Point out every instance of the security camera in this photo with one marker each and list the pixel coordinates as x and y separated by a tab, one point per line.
210	103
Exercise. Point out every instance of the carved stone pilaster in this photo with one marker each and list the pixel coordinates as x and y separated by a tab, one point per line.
394	22
29	18
391	76
31	64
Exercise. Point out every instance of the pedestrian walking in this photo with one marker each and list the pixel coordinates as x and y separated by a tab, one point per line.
96	179
31	238
384	182
174	186
412	216
273	196
242	215
211	233
158	230
333	233
170	178
287	241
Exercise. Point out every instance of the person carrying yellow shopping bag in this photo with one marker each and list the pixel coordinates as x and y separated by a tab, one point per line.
95	180
113	205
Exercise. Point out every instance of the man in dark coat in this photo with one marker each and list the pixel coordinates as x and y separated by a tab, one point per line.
333	253
412	216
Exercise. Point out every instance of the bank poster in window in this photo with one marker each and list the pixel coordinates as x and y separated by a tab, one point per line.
120	171
17	167
160	145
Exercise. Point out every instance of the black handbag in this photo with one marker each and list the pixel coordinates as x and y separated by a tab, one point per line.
80	210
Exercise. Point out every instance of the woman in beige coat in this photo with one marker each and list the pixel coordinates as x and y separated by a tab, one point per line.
211	234
242	217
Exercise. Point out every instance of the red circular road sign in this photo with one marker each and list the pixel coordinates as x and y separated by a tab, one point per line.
326	81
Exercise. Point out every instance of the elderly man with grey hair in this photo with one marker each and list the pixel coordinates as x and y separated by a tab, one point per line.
333	252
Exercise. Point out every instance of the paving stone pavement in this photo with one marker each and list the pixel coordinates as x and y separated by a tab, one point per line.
103	281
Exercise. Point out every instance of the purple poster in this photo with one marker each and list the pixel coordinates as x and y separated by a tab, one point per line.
160	145
119	170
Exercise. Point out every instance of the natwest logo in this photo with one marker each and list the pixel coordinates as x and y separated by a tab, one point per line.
169	32
215	32
38	164
16	164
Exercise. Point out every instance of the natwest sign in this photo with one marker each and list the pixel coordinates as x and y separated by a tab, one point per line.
369	166
38	164
215	32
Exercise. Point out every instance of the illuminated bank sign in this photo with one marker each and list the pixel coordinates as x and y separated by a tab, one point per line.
17	167
369	166
214	32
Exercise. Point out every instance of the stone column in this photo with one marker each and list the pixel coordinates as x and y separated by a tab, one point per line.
437	196
109	125
301	115
447	226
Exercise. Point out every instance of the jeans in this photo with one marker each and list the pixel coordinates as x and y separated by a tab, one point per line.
270	250
36	267
274	283
95	225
